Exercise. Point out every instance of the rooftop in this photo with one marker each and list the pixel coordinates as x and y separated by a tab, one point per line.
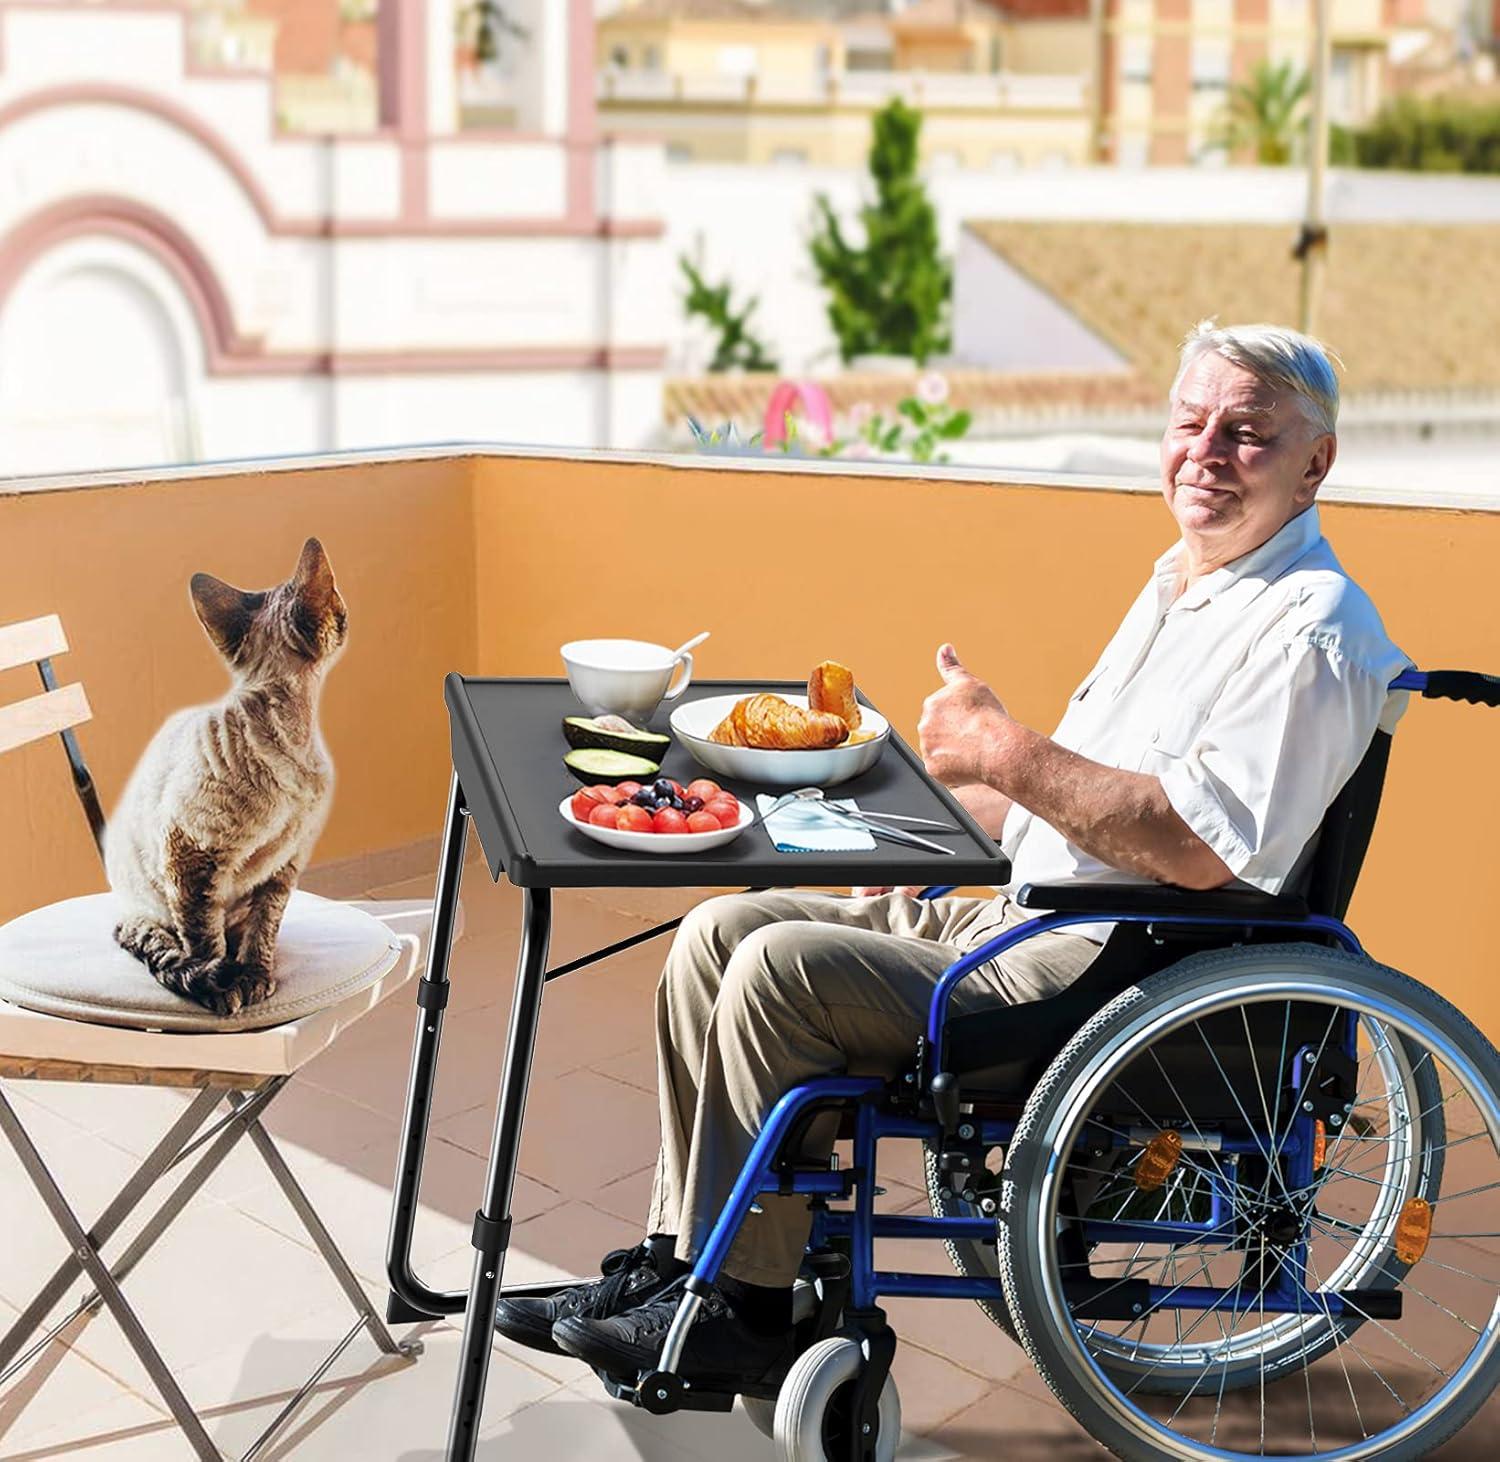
1390	307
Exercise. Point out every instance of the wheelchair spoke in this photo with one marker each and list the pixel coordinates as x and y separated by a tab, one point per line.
1407	1287
1318	1298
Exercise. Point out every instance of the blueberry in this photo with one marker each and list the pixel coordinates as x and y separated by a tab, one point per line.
644	798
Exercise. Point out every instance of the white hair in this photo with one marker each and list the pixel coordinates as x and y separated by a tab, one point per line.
1279	357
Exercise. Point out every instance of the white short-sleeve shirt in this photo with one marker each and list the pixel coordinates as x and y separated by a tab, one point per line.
1251	696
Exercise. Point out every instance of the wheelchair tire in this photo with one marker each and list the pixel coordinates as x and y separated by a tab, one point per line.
809	1423
1085	1366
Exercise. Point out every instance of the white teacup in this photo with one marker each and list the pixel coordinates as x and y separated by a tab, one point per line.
624	677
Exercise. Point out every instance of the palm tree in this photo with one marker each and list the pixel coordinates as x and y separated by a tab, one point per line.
1265	113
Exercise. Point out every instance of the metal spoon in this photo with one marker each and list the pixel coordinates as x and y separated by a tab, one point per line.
802	794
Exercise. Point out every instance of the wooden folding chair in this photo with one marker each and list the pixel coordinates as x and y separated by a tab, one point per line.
243	1070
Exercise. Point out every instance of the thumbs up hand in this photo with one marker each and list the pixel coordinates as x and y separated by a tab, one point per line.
957	720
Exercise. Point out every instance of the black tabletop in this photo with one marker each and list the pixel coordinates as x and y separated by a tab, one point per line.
508	751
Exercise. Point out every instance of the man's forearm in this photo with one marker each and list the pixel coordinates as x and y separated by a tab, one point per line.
987	805
1122	818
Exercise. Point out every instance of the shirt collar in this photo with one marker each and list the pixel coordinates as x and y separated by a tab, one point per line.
1255	570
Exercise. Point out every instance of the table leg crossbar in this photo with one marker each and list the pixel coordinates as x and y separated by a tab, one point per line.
181	1141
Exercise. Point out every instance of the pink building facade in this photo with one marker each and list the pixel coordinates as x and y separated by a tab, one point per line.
182	279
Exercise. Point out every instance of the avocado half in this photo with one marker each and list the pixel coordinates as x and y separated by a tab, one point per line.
584	733
600	764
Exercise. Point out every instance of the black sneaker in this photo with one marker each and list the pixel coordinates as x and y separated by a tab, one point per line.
628	1277
722	1352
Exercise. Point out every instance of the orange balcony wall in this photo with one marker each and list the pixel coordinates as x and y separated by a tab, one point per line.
487	562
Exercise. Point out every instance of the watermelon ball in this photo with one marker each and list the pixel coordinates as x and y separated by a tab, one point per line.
704	822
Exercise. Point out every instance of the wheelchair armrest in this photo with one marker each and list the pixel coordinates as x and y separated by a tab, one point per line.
1161	899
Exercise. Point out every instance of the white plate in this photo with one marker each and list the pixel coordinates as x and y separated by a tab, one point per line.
692	722
612	837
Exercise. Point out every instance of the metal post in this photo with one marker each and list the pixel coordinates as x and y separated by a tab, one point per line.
1312	243
492	1222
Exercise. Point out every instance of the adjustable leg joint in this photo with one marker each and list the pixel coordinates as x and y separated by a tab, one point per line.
491	1238
432	994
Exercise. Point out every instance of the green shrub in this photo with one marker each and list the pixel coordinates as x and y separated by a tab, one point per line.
1435	135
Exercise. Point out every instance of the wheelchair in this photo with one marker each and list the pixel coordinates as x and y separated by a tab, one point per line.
1233	1190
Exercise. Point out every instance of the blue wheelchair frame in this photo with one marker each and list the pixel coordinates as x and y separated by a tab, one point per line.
860	1225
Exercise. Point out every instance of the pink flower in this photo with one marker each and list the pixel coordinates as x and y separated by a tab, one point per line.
859	414
932	389
861	451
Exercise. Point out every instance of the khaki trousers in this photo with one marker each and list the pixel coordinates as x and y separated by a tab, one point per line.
763	991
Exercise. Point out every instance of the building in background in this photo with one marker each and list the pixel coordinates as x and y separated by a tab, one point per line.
788	82
184	275
1168	66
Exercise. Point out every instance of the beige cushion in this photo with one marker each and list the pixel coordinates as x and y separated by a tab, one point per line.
62	960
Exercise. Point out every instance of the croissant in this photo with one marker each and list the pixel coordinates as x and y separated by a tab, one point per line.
831	688
769	723
726	733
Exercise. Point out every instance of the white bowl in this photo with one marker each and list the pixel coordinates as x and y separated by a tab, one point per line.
693	720
612	837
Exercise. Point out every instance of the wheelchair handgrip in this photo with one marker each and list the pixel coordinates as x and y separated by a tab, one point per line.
1462	685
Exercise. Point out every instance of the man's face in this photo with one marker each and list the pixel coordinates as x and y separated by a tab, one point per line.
1239	459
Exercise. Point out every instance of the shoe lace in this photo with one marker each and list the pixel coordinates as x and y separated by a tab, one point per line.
658	1313
618	1269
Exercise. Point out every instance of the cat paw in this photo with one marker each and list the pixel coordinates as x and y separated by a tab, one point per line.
154	944
214	984
256	985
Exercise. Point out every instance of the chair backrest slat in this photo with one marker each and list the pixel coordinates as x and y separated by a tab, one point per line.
31	640
42	715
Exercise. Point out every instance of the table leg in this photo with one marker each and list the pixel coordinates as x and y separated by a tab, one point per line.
410	1299
492	1222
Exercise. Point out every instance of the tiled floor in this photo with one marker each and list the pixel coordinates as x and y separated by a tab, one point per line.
243	1308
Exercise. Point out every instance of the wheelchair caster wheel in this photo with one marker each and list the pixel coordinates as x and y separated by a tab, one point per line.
660	1393
812	1411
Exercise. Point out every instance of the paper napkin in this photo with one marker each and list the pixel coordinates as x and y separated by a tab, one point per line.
806	827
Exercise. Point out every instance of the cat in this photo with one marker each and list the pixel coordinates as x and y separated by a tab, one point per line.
222	811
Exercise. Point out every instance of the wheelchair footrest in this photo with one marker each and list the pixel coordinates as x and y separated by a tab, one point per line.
678	1397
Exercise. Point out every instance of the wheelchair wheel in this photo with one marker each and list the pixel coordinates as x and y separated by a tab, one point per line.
970	1258
812	1410
1224	1229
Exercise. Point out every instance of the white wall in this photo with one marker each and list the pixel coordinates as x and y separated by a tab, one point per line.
1003	321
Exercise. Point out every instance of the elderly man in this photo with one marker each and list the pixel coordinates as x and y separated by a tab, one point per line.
1235	699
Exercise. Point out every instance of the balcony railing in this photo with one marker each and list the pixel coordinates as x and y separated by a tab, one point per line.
865	89
486	560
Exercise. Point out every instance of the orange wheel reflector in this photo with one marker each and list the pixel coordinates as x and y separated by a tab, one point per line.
1157	1161
1413	1230
1320	1144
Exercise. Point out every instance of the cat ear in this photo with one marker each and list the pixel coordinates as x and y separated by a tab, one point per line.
314	577
225	612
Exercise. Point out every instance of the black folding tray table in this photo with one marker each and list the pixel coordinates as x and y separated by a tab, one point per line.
508	778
